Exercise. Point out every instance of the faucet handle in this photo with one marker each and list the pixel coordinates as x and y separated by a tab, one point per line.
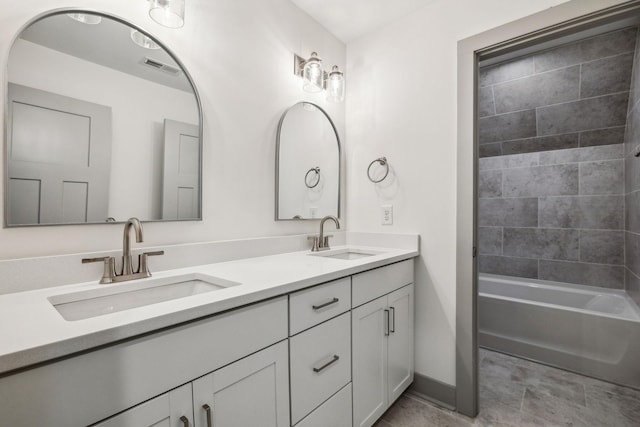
143	264
315	244
109	272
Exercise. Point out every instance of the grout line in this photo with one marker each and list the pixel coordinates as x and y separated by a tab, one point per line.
554	134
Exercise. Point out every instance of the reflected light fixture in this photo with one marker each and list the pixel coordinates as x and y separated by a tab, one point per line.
85	18
169	13
315	79
143	41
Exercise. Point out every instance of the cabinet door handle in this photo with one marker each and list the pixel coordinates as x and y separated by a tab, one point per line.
326	304
207	409
386	325
326	365
392	329
185	421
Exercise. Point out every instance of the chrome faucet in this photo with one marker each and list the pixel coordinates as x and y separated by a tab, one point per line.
321	242
109	274
127	268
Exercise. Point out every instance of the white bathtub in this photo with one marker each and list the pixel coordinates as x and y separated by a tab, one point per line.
589	330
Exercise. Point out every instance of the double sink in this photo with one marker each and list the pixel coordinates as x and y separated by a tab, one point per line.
139	293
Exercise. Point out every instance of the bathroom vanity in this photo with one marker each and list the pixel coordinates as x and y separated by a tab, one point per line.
291	339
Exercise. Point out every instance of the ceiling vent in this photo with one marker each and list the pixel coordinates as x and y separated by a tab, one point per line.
160	66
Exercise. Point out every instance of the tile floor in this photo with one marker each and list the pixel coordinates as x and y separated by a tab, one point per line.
516	392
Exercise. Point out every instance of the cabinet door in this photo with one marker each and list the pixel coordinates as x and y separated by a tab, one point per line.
369	355
171	409
252	392
400	341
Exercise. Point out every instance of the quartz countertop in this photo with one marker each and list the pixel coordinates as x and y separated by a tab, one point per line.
32	331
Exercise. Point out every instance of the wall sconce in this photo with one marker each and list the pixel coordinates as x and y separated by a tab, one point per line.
315	79
335	85
169	13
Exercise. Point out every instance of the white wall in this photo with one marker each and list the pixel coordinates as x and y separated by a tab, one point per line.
401	104
138	111
240	54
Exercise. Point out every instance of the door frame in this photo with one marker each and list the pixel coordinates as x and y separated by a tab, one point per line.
559	21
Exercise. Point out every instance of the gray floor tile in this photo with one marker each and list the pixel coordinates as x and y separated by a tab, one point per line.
411	412
519	393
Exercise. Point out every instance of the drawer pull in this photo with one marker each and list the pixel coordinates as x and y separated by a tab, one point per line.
207	409
185	421
386	322
326	304
326	365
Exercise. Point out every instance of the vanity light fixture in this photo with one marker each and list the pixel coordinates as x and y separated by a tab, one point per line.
335	85
143	41
315	79
169	13
85	18
312	74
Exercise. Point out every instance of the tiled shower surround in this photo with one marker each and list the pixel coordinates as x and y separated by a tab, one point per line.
551	172
632	186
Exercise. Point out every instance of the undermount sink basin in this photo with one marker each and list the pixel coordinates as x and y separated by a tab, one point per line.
97	302
346	253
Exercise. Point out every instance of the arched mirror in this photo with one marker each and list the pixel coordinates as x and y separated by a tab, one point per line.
307	164
102	123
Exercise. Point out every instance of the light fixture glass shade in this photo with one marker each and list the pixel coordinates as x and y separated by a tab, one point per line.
169	13
142	40
85	18
312	74
335	85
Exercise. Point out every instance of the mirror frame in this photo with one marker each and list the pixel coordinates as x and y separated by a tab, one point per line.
335	130
5	119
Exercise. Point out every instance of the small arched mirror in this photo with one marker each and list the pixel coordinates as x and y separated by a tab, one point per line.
102	123
307	164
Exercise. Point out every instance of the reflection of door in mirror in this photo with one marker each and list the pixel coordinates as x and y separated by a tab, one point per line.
101	64
181	178
59	158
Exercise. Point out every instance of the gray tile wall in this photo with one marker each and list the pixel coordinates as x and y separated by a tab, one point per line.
571	96
553	134
555	215
632	187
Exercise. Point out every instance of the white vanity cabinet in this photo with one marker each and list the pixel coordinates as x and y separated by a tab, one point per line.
382	345
169	409
249	392
253	391
320	354
94	386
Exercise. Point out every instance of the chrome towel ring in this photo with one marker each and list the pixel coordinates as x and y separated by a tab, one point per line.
383	162
315	170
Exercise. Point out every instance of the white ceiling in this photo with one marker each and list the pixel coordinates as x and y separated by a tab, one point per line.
108	44
350	19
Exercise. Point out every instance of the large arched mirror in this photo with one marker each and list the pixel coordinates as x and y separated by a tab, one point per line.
307	164
102	123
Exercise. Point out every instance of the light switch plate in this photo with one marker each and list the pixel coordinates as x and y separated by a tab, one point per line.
386	212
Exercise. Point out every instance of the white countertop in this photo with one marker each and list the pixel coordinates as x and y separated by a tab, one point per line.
32	331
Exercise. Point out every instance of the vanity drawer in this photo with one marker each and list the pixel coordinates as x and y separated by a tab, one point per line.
320	360
374	283
335	412
312	306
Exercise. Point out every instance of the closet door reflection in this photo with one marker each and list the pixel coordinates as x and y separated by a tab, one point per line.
59	158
